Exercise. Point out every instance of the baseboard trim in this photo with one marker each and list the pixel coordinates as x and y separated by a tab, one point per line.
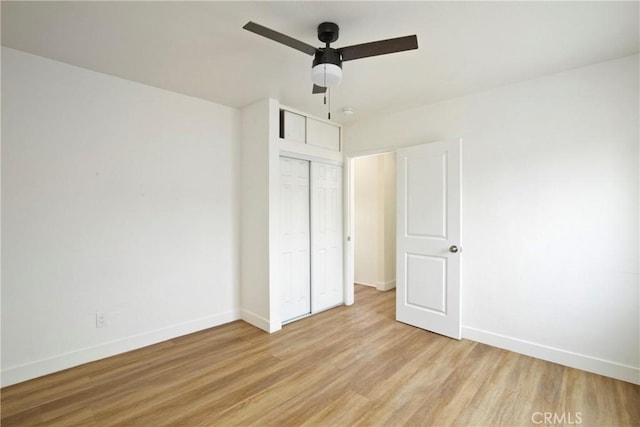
28	371
259	321
551	354
386	286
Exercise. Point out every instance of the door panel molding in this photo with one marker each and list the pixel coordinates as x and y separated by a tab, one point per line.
295	246
428	225
327	276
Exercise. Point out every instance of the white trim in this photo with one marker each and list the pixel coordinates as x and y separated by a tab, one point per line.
298	154
17	374
309	152
349	231
259	321
386	286
273	281
556	355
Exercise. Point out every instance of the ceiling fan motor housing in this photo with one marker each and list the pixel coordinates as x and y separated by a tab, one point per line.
328	32
327	68
327	56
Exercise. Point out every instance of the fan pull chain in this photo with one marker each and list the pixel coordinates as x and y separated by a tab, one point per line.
324	67
327	90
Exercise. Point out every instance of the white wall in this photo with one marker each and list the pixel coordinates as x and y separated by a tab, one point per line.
550	219
259	302
375	220
116	197
366	220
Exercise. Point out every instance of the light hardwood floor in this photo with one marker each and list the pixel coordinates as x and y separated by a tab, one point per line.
348	366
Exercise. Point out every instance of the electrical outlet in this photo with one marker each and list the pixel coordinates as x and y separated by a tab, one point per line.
101	320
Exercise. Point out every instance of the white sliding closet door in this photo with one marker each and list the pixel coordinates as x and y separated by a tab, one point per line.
327	289
294	238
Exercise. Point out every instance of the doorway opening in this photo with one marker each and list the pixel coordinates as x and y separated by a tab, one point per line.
428	246
374	221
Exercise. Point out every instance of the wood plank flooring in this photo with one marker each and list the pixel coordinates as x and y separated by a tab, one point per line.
350	366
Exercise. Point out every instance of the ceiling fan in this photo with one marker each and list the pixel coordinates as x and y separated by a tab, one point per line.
327	61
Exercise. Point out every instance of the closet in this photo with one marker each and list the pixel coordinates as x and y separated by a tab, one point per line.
291	223
310	237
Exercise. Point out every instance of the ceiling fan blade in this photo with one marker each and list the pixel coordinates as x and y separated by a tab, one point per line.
319	89
381	47
280	38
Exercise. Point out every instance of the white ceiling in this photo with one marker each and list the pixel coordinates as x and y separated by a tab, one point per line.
200	48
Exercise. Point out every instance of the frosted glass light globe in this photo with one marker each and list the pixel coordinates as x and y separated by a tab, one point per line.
326	75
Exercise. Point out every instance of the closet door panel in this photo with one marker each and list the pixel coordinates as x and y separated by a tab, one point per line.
323	134
294	127
294	239
327	288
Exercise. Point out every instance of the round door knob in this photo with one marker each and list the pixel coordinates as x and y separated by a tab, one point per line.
454	249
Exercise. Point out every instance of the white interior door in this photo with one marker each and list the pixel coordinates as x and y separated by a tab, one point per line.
327	288
294	239
428	237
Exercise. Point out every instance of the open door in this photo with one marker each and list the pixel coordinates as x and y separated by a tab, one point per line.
428	237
